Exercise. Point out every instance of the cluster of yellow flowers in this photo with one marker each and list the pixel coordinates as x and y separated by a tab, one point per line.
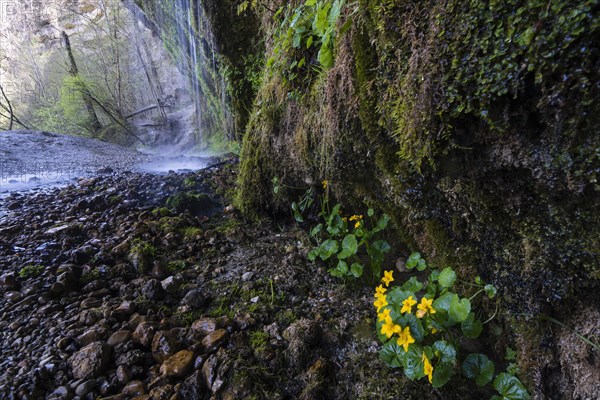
356	218
389	328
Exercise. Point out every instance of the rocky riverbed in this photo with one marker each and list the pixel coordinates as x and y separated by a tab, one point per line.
152	287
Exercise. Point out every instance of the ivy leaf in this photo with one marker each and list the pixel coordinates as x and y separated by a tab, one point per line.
357	270
447	277
478	367
325	56
309	42
335	11
459	310
392	354
490	290
412	284
510	388
349	247
413	362
328	248
471	327
445	351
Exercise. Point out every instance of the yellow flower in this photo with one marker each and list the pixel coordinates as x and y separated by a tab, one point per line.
405	338
380	302
357	224
356	217
389	328
379	290
384	314
407	305
427	368
425	307
325	183
387	277
345	219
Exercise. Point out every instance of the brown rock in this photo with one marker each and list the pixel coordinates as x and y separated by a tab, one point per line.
209	370
91	361
178	365
144	333
204	326
134	388
212	341
118	338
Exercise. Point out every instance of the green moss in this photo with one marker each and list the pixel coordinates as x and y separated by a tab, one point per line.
31	271
176	266
161	212
259	341
142	255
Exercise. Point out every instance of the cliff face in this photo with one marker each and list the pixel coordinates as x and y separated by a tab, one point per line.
473	124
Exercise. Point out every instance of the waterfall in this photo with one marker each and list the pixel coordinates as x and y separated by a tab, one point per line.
186	34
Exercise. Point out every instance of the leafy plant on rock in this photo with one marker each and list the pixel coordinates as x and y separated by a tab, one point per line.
420	324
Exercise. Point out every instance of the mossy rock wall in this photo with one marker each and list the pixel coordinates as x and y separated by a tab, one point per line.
474	124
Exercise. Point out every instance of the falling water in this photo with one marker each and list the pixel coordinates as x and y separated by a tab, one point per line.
187	36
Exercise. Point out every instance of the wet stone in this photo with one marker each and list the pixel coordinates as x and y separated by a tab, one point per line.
204	326
90	361
194	298
177	365
118	338
144	333
134	388
212	341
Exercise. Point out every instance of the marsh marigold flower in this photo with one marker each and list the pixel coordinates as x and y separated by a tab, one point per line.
325	183
407	305
425	307
382	316
427	368
388	276
405	338
380	302
389	327
379	290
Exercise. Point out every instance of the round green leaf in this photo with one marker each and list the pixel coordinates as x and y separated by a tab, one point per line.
447	277
413	362
421	265
328	248
445	352
392	354
510	387
471	327
349	246
416	326
413	260
412	284
342	267
370	212
312	255
490	290
357	270
459	310
441	374
478	367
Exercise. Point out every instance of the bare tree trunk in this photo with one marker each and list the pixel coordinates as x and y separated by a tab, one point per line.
8	108
85	93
